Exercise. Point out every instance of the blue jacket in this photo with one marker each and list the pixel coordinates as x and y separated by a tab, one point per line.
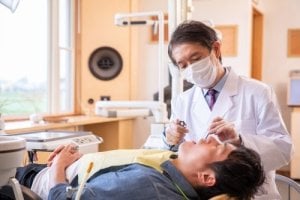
132	182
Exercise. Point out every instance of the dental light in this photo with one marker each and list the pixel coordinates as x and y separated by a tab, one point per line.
11	4
126	20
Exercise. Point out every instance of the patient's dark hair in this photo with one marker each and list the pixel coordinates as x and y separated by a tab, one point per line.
238	176
193	32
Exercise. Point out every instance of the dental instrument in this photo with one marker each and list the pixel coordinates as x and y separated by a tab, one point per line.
86	175
182	123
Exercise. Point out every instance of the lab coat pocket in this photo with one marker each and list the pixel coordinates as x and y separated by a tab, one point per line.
245	126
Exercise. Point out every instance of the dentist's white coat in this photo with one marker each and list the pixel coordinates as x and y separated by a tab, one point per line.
251	105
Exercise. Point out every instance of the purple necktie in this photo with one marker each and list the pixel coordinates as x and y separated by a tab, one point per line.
212	98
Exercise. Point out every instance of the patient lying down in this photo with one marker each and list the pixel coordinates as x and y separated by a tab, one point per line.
200	171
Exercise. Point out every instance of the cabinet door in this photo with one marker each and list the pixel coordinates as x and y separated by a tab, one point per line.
295	133
115	135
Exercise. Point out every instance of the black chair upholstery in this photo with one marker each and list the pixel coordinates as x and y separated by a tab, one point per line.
6	193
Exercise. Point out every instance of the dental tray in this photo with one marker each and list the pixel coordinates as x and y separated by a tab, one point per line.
49	140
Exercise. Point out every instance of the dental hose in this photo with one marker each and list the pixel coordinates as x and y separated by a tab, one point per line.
81	186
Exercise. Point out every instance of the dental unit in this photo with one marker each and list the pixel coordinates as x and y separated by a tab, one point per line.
178	11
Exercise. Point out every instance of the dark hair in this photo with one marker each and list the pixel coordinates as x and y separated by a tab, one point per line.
238	176
192	32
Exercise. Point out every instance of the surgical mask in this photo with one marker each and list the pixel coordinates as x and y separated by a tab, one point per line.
202	73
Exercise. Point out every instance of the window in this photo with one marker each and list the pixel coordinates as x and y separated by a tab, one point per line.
36	65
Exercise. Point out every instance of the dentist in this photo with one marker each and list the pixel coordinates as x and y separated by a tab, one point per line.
233	107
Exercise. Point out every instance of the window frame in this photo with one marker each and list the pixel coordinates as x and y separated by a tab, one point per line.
53	62
54	58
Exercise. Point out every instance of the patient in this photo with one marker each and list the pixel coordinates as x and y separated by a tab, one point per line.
200	171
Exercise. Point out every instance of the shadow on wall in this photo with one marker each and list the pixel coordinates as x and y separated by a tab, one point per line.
168	94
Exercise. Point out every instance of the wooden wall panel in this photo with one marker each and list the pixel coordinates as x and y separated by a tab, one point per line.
229	39
293	43
295	130
97	29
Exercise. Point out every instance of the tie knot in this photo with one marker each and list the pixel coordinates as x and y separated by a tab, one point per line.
211	92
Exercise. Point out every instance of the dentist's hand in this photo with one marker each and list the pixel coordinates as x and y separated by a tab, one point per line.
224	130
175	132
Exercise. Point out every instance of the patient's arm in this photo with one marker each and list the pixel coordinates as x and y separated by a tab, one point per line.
61	161
58	171
43	181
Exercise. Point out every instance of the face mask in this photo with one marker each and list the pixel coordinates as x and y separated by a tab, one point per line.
202	73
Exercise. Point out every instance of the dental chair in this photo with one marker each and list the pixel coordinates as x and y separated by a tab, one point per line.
12	151
288	188
7	193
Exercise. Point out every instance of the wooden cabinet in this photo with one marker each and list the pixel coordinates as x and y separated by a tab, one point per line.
295	133
116	132
116	135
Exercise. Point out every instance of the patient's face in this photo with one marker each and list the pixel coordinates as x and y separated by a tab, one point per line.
204	152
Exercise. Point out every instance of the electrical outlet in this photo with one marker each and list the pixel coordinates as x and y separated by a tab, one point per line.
105	98
90	101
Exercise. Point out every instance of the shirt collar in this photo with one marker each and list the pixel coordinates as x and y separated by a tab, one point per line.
218	87
177	178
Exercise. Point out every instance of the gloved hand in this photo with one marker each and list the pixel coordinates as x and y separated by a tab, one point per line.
175	132
224	130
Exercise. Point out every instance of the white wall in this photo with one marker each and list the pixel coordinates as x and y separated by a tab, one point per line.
279	16
230	12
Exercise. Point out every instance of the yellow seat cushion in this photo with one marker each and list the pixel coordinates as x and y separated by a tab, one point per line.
101	160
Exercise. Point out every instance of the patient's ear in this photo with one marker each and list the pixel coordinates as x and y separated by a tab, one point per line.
206	178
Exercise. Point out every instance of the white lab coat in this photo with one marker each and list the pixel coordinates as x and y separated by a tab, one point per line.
251	105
